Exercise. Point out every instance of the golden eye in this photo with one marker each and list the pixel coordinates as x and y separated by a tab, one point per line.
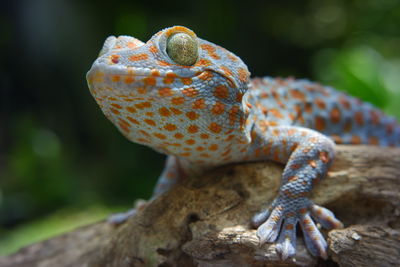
182	48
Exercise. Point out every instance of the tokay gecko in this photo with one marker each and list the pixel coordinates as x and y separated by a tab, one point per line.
194	101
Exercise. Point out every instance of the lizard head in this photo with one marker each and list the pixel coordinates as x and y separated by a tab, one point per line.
174	93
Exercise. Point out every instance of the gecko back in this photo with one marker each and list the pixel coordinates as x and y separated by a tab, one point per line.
346	119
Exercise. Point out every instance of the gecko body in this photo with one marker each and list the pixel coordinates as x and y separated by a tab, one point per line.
194	101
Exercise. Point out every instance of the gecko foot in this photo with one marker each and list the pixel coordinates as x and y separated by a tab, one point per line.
278	224
120	218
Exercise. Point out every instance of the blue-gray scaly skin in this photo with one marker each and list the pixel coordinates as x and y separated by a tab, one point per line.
195	101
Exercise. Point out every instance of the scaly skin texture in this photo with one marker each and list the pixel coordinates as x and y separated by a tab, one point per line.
211	113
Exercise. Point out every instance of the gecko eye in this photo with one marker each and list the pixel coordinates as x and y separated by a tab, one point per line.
182	48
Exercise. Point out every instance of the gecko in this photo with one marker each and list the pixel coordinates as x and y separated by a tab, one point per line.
195	102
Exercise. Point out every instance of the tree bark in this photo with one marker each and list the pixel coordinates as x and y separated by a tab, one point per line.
205	222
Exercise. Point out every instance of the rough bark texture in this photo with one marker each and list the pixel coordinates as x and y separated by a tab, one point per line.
205	222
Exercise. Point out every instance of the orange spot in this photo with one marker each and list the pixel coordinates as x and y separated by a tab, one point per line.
132	120
230	137
170	127
178	100
144	133
204	136
319	123
205	75
169	78
276	132
116	112
320	103
163	63
190	142
221	91
213	147
142	140
116	106
160	136
231	56
208	47
312	163
297	94
345	102
292	178
131	45
337	139
153	49
193	129
149	81
373	140
374	117
239	97
232	114
165	91
138	57
178	136
203	62
355	139
359	118
115	78
291	132
129	79
186	81
243	75
308	107
190	92
227	71
150	122
199	104
141	90
124	125
200	148
164	112
143	105
289	227
185	154
335	115
192	115
214	127
218	108
390	129
155	72
176	111
347	126
275	112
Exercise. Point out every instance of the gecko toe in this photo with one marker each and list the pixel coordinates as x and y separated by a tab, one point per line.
286	244
314	240
325	217
269	230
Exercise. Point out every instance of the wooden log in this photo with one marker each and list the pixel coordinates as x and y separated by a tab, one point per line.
205	222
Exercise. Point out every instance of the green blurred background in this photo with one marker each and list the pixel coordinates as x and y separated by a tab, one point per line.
62	164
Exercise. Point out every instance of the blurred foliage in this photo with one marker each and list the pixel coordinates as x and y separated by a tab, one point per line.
58	153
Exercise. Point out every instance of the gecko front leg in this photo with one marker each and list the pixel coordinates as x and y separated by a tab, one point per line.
171	174
308	155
